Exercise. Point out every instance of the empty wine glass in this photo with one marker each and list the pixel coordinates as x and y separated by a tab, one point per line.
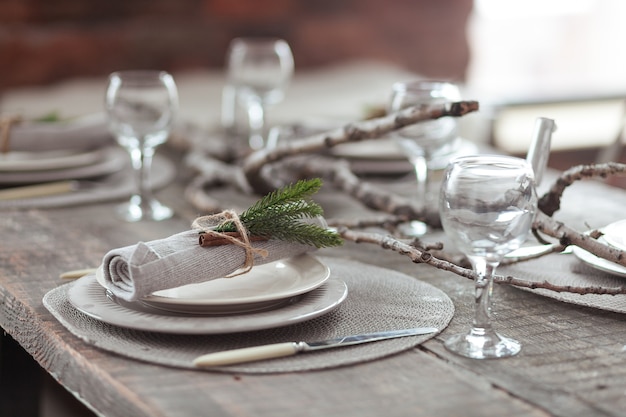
260	70
487	206
422	140
141	106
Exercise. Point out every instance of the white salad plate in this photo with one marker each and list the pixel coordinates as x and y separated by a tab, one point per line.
111	160
598	263
615	234
264	286
88	296
42	161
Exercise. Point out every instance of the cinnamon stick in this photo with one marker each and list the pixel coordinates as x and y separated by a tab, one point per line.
209	240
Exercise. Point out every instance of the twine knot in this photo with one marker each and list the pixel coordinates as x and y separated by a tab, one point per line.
209	236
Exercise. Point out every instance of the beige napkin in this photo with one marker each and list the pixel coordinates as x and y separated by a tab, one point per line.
84	133
133	272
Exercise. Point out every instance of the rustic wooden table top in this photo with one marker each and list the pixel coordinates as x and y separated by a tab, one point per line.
573	362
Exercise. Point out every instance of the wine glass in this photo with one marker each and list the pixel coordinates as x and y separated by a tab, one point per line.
141	106
487	206
421	141
260	70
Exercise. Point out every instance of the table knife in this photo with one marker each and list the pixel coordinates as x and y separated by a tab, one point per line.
278	350
39	190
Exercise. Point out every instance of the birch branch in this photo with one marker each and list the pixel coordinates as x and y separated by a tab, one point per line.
418	255
550	202
338	173
352	132
568	236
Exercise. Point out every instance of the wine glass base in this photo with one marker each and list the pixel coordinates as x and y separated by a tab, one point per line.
482	344
413	228
134	211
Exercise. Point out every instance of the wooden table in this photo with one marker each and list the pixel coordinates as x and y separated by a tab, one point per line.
573	361
572	364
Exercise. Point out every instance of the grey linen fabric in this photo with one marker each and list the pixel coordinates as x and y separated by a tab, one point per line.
135	271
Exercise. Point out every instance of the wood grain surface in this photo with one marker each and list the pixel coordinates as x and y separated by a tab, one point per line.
573	361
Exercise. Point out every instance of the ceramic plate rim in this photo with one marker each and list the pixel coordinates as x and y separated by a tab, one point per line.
51	161
114	159
600	264
608	237
305	261
88	297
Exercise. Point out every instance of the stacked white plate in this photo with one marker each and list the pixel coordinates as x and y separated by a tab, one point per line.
55	151
271	295
614	235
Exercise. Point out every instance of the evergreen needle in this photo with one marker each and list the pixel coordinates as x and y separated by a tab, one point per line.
280	215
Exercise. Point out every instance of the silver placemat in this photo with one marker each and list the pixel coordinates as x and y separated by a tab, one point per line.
378	299
119	185
567	269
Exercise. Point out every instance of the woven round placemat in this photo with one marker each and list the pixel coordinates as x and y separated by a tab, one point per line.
567	269
378	299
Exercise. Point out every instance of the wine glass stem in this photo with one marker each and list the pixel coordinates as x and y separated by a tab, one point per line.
256	120
421	173
141	160
483	288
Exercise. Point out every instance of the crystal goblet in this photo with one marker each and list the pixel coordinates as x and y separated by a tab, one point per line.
260	70
423	140
141	106
487	206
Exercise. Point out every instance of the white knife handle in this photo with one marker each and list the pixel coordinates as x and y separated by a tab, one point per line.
256	353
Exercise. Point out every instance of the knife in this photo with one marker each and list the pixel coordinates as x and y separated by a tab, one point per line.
38	190
278	350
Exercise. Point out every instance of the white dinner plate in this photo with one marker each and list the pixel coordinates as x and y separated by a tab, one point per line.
386	151
615	234
598	263
113	159
264	286
42	161
88	296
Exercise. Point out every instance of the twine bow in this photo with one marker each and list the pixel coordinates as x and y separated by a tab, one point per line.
6	124
209	236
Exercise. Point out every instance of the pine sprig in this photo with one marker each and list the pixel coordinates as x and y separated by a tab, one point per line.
281	214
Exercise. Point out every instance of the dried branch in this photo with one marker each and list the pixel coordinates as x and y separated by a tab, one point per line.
568	236
213	173
418	255
551	201
338	173
352	132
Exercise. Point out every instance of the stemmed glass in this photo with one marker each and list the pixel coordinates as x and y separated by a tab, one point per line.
141	106
421	141
260	70
487	206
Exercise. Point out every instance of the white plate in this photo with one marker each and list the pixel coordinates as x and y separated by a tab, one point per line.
88	296
598	263
615	234
42	161
113	160
386	151
264	286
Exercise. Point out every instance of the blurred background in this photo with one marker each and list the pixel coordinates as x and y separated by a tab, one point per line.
42	41
553	58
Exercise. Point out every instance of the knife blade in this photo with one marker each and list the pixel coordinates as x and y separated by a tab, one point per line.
278	350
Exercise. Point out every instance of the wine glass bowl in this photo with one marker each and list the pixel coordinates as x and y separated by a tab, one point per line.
487	206
260	70
141	107
421	141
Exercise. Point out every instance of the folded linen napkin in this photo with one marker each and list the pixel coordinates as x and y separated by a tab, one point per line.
135	271
89	132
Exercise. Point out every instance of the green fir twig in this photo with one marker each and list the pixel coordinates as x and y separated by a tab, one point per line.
281	215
